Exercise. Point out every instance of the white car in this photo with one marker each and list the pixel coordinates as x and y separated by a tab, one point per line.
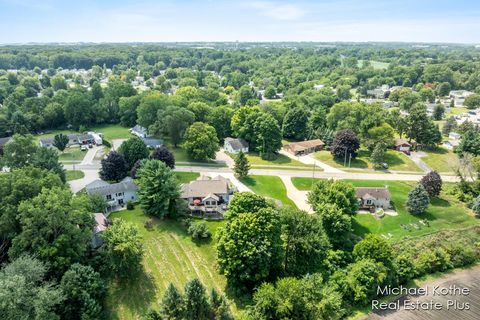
83	147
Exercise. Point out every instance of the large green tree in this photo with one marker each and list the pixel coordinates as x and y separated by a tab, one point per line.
335	192
173	121
133	149
19	152
249	248
114	167
295	123
201	142
159	188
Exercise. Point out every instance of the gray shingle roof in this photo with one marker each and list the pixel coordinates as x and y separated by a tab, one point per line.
237	143
104	188
4	141
376	193
203	188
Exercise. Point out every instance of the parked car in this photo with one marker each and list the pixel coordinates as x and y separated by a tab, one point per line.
83	148
90	145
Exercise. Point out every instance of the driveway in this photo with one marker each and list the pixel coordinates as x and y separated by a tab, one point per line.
309	159
79	184
416	157
223	158
297	196
116	143
90	156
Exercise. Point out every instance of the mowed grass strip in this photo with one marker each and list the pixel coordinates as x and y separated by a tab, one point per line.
268	186
445	212
397	161
185	177
74	175
170	257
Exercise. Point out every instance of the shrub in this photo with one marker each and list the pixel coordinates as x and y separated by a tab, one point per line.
418	200
130	205
199	231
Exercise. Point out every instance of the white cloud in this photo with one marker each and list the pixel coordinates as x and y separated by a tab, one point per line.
278	11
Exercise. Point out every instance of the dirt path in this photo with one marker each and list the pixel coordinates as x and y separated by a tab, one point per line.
469	278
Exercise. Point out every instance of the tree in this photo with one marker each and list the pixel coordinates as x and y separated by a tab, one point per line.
163	154
241	165
472	101
114	167
375	248
220	118
270	92
196	302
470	143
19	152
421	128
383	134
128	110
336	192
158	188
343	92
295	123
133	150
449	126
46	158
345	144
418	200
201	142
123	248
173	121
306	244
438	112
199	231
249	248
78	109
55	227
363	278
268	136
58	83
443	89
172	304
84	291
336	223
243	202
476	206
245	93
60	141
432	182
378	155
24	292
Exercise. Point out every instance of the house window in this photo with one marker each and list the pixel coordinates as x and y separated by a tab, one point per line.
109	197
369	201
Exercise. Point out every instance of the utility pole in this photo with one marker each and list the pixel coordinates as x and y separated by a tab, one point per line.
350	160
345	160
313	175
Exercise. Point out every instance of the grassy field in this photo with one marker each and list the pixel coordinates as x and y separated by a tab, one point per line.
455	111
375	64
72	154
74	174
270	187
443	213
170	257
280	160
441	160
184	177
396	161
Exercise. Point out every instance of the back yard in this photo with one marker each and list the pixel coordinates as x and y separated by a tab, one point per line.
444	212
170	256
268	186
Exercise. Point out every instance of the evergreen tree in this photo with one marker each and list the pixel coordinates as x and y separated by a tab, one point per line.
60	141
449	126
114	167
196	302
241	165
172	304
378	155
418	200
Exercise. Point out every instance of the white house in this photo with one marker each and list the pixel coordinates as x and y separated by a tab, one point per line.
459	96
372	198
97	137
116	194
139	131
235	145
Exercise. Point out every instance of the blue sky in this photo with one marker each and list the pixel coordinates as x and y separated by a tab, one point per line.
248	20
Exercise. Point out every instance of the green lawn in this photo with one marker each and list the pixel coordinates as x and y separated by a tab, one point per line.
445	212
270	187
72	154
280	160
74	174
170	256
397	161
456	111
375	64
441	160
184	177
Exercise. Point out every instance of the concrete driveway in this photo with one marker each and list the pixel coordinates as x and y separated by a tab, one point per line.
90	156
297	196
416	156
79	184
116	143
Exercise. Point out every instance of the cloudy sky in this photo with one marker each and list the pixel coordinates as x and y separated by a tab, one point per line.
215	20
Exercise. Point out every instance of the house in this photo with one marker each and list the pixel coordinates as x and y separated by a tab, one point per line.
458	96
373	198
101	224
75	139
208	197
318	86
454	135
235	145
402	145
304	147
451	144
116	194
379	92
153	143
97	138
3	143
139	131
